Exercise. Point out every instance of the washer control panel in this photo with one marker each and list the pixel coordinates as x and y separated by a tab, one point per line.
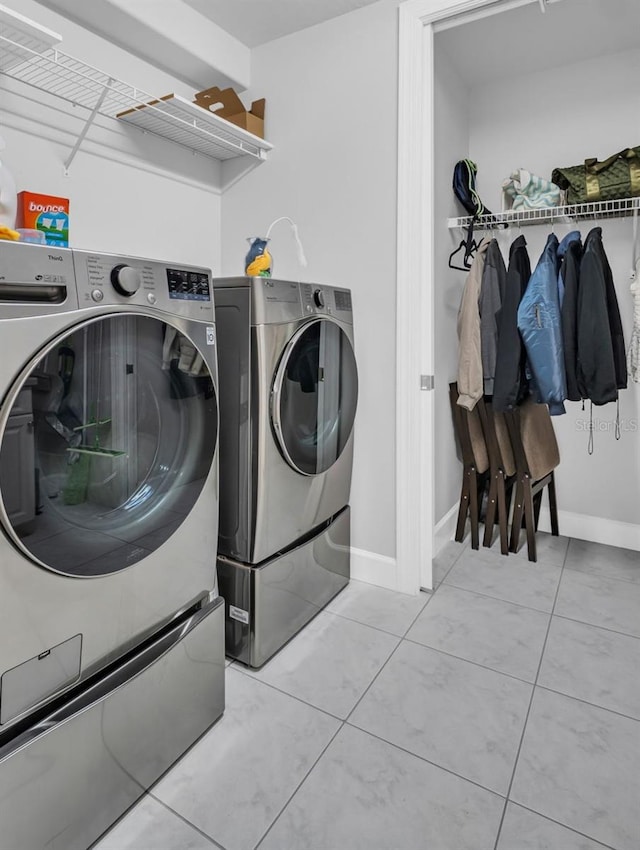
110	279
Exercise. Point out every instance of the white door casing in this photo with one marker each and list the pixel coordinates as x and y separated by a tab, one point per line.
418	22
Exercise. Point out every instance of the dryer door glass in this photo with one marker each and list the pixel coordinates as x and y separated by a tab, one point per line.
316	392
111	436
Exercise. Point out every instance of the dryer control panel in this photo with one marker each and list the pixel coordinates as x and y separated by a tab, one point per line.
326	300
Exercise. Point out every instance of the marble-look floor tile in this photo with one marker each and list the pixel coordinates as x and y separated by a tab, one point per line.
330	664
374	606
236	779
609	603
579	766
456	714
550	550
596	665
445	559
507	578
607	561
525	830
496	634
365	794
151	826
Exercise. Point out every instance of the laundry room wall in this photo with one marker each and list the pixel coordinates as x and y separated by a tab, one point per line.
539	121
331	114
129	192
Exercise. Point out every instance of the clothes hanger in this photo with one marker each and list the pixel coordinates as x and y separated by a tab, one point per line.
470	246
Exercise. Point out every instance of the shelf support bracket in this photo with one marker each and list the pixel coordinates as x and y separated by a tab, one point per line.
85	129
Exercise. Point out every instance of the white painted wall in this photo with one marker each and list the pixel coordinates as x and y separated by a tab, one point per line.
451	144
539	121
129	192
331	114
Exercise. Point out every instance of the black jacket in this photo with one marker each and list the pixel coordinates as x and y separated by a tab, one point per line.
510	386
602	367
494	274
570	274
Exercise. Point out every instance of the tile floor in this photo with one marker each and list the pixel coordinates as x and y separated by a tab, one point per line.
501	712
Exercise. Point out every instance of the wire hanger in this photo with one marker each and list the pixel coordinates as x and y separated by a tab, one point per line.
470	246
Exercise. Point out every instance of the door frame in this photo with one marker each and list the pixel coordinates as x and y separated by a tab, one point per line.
415	280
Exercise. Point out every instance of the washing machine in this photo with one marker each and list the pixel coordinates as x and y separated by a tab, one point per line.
288	396
111	626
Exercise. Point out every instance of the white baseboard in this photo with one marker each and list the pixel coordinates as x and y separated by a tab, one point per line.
445	529
374	569
595	529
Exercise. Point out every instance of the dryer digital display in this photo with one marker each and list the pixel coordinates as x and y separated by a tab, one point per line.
187	285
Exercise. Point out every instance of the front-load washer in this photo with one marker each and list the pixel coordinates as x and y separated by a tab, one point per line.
111	627
288	396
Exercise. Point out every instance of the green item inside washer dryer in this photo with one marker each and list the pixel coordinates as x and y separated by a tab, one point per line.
75	490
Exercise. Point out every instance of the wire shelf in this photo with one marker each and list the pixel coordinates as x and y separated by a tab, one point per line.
570	212
23	38
170	117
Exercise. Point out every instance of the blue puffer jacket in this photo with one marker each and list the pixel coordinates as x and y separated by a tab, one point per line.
539	323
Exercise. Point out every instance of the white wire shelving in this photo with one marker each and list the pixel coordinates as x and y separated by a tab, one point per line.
567	213
28	56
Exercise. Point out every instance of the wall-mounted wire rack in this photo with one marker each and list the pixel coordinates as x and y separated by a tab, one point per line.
570	212
33	60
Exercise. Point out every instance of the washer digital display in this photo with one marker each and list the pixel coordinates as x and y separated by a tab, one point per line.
187	285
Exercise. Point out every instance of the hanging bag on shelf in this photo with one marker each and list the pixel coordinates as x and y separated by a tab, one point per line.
464	188
614	178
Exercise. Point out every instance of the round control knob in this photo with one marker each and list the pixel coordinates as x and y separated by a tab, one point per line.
126	280
318	297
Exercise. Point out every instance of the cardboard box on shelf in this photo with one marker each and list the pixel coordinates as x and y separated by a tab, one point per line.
233	109
45	213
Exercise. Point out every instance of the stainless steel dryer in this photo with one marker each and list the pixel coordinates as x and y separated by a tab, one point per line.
111	628
288	395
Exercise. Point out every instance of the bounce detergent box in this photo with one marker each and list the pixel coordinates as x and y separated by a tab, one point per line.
47	214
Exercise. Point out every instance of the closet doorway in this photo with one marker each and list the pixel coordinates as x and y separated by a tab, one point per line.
532	84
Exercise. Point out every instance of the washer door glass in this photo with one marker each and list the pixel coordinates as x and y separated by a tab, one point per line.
110	439
315	397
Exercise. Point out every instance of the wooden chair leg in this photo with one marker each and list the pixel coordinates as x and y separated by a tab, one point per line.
537	504
553	506
518	513
503	516
463	510
529	520
490	516
474	511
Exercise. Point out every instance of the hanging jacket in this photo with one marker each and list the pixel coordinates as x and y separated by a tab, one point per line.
491	295
510	386
602	368
540	325
470	381
570	255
